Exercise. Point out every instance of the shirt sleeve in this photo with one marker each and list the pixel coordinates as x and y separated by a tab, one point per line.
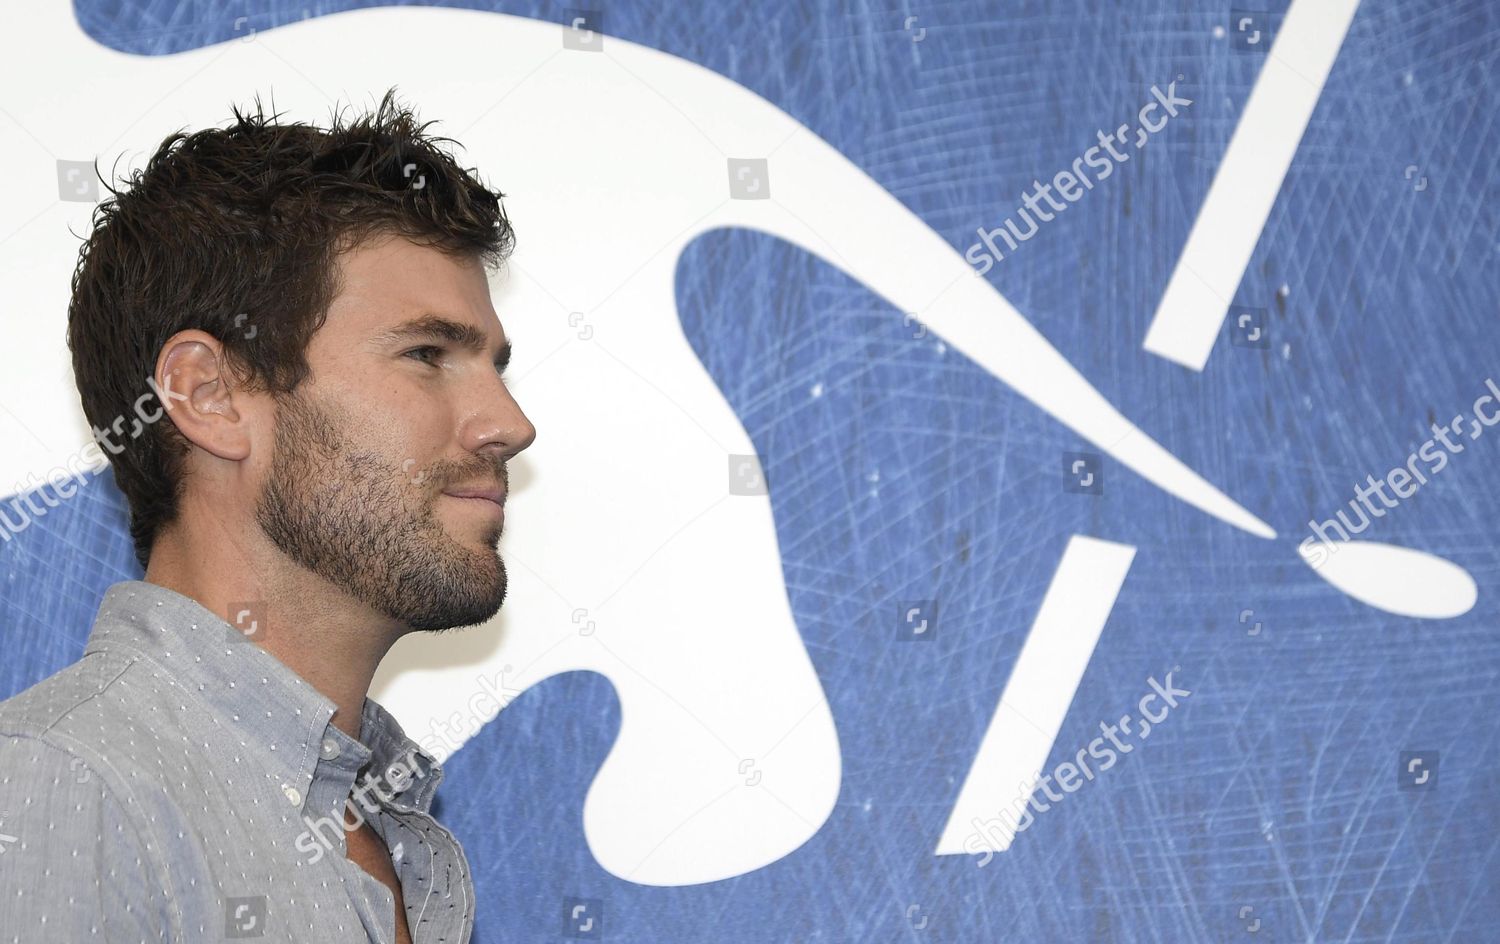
72	866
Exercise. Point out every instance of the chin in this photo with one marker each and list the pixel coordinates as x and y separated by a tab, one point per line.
455	614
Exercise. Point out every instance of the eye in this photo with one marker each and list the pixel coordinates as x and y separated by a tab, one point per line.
424	353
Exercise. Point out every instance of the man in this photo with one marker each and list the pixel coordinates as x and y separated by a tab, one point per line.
308	312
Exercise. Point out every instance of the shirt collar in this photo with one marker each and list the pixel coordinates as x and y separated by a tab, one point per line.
271	708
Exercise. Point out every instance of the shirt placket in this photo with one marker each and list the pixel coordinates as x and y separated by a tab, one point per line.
331	793
373	902
434	875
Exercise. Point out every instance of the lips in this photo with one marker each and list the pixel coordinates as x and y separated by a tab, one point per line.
496	495
481	504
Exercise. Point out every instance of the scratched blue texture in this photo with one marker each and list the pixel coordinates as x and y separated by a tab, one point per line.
1272	794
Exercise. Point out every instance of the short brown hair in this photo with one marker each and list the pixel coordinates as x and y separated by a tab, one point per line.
236	231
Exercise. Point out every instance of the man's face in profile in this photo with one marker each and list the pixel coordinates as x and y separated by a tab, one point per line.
388	423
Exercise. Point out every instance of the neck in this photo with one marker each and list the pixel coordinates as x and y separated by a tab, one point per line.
333	641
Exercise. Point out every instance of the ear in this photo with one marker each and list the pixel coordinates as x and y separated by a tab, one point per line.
201	395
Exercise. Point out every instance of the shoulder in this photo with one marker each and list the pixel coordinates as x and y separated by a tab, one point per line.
50	701
98	709
74	860
91	713
102	719
62	743
74	775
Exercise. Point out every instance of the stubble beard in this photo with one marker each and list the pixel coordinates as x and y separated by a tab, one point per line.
358	521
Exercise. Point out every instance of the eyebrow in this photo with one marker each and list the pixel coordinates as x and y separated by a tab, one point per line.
457	333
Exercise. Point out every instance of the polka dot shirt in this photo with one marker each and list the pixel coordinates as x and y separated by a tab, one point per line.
181	784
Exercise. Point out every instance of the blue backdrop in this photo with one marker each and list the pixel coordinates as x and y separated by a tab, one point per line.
1271	805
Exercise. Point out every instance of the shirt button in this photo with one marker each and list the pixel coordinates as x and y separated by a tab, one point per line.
292	794
398	778
330	748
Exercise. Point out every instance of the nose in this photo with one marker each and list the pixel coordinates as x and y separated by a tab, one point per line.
496	423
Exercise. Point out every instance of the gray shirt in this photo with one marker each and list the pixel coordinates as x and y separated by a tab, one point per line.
181	784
